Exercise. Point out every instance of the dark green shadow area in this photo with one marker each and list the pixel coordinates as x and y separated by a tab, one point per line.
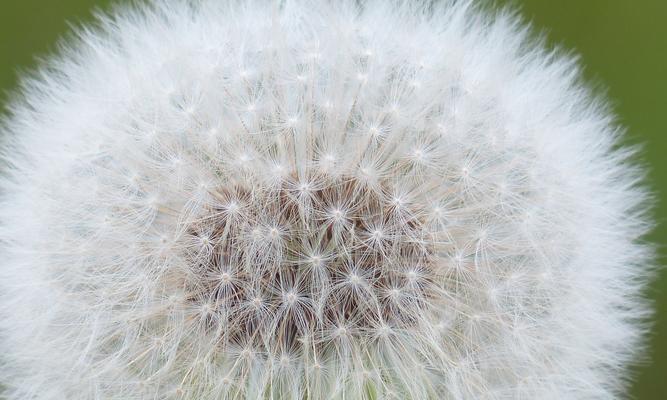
30	29
622	43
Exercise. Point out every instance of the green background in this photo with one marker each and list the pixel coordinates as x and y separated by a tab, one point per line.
622	43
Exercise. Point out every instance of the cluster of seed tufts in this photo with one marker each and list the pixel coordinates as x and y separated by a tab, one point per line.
313	260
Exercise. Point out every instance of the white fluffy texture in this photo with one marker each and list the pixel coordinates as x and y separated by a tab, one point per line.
316	201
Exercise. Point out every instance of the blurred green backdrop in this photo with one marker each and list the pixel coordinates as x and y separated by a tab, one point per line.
622	43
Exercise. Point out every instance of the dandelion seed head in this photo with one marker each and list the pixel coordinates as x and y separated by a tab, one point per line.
318	200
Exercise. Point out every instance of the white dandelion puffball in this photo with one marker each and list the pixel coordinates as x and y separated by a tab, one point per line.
316	200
